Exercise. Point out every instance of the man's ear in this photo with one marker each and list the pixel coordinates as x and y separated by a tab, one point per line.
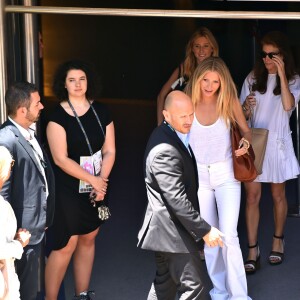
21	110
166	115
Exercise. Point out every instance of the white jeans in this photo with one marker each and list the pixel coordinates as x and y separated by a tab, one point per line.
219	199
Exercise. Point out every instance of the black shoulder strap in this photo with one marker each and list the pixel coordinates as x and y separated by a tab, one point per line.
179	73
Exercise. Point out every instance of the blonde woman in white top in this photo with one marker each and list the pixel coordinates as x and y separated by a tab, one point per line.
216	108
11	243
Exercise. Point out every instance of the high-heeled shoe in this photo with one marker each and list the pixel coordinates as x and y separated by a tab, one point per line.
275	257
251	266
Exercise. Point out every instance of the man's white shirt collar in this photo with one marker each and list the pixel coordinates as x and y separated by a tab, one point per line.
23	131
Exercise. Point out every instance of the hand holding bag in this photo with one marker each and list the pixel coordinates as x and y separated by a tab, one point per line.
243	166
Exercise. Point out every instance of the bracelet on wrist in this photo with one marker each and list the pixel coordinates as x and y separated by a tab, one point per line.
246	143
245	108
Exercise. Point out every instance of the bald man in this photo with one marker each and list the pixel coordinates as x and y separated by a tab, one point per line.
173	226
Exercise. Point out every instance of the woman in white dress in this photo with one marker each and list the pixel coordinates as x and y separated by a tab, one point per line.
11	243
217	106
269	95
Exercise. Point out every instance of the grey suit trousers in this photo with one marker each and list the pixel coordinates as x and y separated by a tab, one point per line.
177	273
30	270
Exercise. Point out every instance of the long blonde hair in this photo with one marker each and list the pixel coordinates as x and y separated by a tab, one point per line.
227	92
5	162
190	61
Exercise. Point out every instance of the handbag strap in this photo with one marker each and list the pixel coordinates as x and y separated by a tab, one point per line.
250	107
179	73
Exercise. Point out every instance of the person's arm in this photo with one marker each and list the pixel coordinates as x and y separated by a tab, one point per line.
57	140
8	249
247	99
11	249
243	127
248	104
163	94
167	168
108	155
287	98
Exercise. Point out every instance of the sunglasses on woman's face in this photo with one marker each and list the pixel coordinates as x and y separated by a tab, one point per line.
270	54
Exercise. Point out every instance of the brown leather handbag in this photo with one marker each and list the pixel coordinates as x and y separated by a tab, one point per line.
243	166
259	144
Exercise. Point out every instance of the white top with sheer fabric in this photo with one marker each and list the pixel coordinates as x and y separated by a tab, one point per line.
280	163
210	144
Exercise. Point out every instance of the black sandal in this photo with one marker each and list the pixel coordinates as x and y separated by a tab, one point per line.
86	295
252	265
275	257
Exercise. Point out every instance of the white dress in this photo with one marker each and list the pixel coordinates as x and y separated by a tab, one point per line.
280	162
9	248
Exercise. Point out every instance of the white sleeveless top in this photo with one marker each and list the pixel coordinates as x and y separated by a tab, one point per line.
210	143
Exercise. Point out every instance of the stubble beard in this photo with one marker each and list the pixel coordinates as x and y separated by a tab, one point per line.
32	119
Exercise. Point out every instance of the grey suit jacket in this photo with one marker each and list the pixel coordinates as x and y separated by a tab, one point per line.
172	222
25	189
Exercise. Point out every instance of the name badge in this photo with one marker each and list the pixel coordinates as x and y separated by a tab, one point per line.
92	164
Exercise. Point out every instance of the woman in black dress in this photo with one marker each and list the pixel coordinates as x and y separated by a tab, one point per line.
82	143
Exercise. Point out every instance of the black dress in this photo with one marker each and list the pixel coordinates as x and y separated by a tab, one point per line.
74	214
181	82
